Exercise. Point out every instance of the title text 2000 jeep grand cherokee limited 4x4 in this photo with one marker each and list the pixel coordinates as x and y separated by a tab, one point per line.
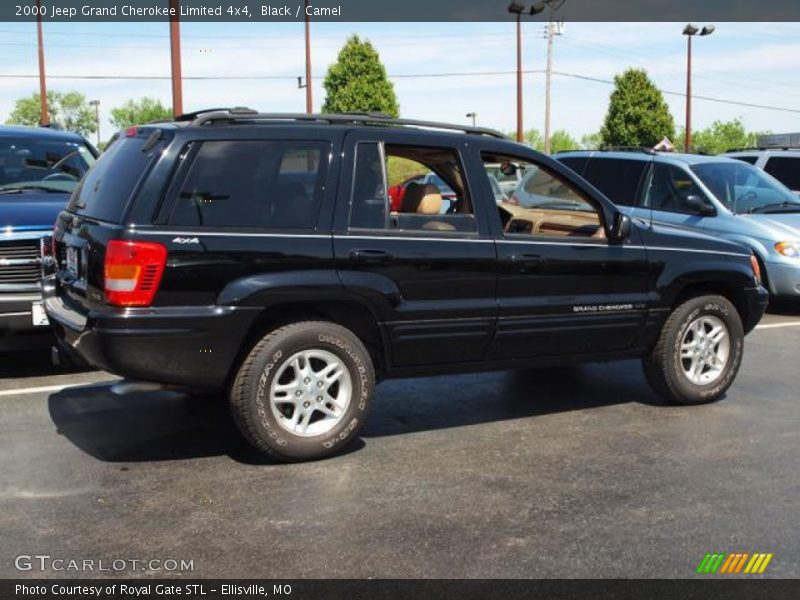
258	253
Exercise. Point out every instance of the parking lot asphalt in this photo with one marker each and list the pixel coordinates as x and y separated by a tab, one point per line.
578	472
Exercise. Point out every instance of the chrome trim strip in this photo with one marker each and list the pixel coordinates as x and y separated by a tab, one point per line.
422	239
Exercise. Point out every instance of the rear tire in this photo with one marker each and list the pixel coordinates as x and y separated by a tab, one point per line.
698	353
303	391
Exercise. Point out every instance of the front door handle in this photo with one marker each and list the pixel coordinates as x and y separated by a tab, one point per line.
526	261
371	256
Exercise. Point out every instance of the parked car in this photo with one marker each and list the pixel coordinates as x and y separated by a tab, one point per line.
724	197
39	168
192	260
778	155
508	179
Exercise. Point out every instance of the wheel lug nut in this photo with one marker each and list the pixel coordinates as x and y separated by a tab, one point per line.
306	404
298	393
319	398
320	384
306	380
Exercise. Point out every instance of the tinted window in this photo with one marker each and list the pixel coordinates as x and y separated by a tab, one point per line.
668	188
748	159
576	163
28	162
254	183
104	193
368	205
618	179
786	170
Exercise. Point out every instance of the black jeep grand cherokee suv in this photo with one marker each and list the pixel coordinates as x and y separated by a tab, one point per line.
260	253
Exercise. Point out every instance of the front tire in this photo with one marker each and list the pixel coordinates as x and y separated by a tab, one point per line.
698	353
303	391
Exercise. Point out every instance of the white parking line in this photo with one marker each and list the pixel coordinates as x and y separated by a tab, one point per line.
779	325
46	388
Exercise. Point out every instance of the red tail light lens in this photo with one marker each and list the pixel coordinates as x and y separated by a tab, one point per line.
133	272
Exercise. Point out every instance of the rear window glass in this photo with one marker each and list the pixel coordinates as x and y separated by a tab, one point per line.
254	183
576	163
108	186
785	170
618	179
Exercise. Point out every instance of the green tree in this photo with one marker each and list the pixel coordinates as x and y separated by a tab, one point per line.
637	114
591	141
139	112
532	138
357	82
720	137
70	110
561	141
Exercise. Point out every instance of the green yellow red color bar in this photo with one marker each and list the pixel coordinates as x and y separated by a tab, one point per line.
734	563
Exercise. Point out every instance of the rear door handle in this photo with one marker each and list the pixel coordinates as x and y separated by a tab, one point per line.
371	256
526	260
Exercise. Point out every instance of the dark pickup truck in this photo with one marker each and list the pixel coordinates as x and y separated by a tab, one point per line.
259	254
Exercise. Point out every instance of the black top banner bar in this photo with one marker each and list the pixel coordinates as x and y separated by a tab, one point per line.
387	589
398	11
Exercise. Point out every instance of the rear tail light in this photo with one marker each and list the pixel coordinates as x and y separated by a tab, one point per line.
133	272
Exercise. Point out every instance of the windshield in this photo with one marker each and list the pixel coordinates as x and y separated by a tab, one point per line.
48	165
745	189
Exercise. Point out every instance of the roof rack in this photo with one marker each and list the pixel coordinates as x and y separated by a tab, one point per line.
208	117
643	149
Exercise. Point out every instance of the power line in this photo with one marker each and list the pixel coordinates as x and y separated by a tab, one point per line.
398	76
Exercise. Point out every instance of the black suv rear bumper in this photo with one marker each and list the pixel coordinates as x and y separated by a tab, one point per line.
194	347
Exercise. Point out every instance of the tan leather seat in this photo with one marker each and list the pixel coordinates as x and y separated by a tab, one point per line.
425	200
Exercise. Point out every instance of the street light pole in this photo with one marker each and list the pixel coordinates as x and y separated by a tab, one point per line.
309	90
690	31
44	119
517	9
175	50
96	104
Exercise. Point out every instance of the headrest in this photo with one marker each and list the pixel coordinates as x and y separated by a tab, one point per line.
422	199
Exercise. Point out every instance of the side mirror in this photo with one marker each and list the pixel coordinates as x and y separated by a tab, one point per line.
700	205
621	227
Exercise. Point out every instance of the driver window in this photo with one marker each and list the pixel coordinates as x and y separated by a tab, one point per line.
543	203
668	188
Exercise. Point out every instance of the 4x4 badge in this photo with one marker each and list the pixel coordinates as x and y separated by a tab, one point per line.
184	240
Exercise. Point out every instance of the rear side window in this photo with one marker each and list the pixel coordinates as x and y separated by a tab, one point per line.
106	189
618	179
748	159
576	163
786	170
254	183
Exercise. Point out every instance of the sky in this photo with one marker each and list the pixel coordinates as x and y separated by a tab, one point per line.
441	71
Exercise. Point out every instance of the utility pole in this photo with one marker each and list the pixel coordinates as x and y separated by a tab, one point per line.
309	89
44	119
553	29
175	49
473	116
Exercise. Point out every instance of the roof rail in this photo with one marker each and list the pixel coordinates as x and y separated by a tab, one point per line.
643	149
202	118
